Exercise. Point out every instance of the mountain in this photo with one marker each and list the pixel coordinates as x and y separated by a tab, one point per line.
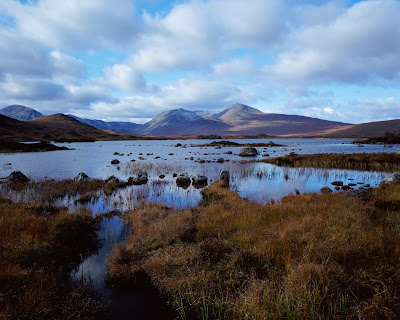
58	127
20	112
118	126
172	122
369	129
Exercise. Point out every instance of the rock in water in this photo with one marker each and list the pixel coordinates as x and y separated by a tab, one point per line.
326	190
224	176
115	161
391	179
199	181
82	177
17	176
183	180
337	183
142	178
248	152
112	179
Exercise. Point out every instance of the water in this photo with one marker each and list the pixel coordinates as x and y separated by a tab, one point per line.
256	181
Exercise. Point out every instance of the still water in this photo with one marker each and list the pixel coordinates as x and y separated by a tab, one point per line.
256	181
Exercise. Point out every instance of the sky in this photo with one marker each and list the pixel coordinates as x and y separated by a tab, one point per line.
127	60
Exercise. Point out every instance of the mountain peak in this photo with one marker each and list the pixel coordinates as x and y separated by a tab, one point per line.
20	112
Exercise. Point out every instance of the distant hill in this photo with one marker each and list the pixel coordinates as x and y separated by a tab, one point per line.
56	127
19	112
118	126
369	129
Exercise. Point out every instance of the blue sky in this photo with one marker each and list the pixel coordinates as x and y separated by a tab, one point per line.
129	60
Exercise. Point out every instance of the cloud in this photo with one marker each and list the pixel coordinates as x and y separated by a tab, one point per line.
356	47
193	34
74	24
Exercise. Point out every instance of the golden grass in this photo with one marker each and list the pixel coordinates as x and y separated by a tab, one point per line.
310	256
386	162
39	246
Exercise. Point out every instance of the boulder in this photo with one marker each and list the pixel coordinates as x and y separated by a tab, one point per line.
17	176
115	161
199	181
248	152
345	188
221	160
395	177
224	176
183	180
337	188
112	179
326	190
161	176
337	183
142	178
82	177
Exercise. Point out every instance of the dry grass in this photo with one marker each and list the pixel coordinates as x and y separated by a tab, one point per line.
387	162
39	246
310	256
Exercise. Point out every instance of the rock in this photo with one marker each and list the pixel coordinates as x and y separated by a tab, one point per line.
265	155
218	147
178	145
112	179
391	179
8	164
174	175
199	181
142	178
17	176
115	161
248	152
345	188
225	176
132	160
161	176
221	160
228	152
183	180
337	183
337	188
158	157
367	185
326	190
170	154
352	184
82	177
387	146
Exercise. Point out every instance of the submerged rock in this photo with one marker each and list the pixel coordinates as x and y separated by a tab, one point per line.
17	176
82	177
183	180
199	181
248	152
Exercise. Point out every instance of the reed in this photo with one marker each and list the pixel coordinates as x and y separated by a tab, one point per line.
309	256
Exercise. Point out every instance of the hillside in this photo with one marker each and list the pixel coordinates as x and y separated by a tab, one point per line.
19	112
57	127
369	129
119	126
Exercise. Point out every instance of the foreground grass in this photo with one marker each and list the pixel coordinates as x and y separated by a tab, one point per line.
39	246
387	162
311	256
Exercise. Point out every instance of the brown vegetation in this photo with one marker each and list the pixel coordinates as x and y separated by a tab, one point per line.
226	143
310	256
39	246
387	162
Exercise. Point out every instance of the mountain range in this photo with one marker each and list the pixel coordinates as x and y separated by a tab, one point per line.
235	120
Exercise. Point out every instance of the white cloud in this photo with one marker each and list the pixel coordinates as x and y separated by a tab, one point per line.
75	24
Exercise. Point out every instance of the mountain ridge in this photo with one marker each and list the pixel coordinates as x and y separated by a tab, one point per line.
237	119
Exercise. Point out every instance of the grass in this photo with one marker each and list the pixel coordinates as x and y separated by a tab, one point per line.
39	246
309	256
387	162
